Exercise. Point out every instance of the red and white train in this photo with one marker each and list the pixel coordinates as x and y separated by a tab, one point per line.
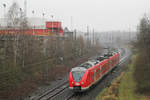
87	74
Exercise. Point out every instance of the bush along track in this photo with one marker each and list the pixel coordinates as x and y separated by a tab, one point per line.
111	93
123	88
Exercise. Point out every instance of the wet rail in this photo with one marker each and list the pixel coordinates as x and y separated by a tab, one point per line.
52	92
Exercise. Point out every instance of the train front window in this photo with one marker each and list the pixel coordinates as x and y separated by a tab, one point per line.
77	75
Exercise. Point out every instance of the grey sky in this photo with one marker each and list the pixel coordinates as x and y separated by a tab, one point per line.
102	15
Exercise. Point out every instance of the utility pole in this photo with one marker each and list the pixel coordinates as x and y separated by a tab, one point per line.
25	8
52	23
75	32
43	21
33	23
88	33
93	36
5	40
4	5
43	15
33	13
71	23
46	69
129	34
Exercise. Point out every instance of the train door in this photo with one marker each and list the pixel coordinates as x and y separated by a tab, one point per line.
97	73
94	75
100	70
110	61
89	78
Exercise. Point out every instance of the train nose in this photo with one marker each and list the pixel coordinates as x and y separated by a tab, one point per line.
77	84
82	83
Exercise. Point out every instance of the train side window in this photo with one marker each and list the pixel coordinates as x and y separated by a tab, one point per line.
96	62
103	68
89	76
92	76
116	59
100	68
107	66
111	61
98	71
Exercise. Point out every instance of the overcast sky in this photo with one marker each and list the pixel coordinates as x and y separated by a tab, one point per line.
102	15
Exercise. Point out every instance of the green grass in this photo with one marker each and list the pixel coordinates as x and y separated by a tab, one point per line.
127	84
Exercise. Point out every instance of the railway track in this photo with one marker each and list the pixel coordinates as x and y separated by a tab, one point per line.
60	89
70	96
77	97
48	95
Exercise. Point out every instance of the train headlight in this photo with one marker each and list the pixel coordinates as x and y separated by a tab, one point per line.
82	83
77	83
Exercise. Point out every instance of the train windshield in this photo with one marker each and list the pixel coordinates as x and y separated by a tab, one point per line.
77	75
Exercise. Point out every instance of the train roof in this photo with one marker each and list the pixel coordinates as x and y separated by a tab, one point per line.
89	64
78	69
100	58
93	62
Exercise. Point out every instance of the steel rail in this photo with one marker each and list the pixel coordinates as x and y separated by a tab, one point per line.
61	87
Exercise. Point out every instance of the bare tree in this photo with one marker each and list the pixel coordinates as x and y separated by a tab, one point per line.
142	63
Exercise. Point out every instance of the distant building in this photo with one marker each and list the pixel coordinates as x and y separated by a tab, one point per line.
37	28
67	33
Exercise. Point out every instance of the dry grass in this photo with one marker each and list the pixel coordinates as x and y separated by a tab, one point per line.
121	88
112	92
144	98
109	97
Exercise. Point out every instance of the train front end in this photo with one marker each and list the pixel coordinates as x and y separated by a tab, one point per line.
77	79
